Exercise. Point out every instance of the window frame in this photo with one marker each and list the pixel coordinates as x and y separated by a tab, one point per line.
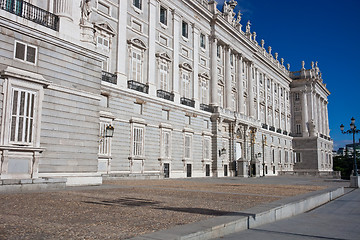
202	41
26	46
105	142
188	147
137	4
135	152
165	23
163	144
207	148
185	29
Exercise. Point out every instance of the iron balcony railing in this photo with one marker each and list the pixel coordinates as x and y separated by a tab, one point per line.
205	107
272	128
165	95
264	125
109	77
187	102
285	132
138	86
30	12
278	130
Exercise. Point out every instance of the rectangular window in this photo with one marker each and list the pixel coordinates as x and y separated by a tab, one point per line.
25	52
105	142
22	116
206	148
165	114
218	51
204	91
298	128
164	82
279	156
136	62
103	8
185	30
138	108
221	96
297	96
103	43
188	120
138	141
163	15
137	4
187	146
232	59
206	124
166	141
202	41
186	87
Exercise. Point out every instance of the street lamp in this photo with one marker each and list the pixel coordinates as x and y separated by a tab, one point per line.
352	131
263	148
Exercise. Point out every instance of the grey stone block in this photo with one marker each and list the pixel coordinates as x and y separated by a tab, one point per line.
11	181
25	181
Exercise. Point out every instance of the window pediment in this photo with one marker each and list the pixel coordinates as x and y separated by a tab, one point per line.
137	43
164	56
204	75
104	26
186	66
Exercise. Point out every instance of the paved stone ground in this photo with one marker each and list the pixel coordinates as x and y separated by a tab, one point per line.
127	208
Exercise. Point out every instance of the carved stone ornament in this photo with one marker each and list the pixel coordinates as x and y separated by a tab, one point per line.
85	6
186	66
137	43
164	56
204	75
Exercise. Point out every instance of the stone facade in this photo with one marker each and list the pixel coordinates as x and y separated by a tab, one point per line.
188	89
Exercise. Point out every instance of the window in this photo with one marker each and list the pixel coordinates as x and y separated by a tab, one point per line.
138	108
233	101
202	41
166	144
297	157
163	15
137	4
286	156
298	128
105	142
297	96
221	96
185	30
165	114
22	116
136	65
25	52
186	85
103	8
206	148
206	124
218	50
188	119
163	72
279	156
138	141
187	146
103	43
204	90
232	60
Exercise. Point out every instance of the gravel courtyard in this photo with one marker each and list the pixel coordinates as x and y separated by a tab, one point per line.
125	208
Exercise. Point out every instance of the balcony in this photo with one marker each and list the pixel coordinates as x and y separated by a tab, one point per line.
272	128
165	95
138	86
278	130
264	125
31	13
285	132
205	107
109	77
187	102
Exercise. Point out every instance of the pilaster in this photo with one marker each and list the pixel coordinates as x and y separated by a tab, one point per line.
151	47
227	79
176	44
257	93
251	90
122	55
214	78
196	33
240	86
304	112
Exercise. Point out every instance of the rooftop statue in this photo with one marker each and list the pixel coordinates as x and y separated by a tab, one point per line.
85	6
248	27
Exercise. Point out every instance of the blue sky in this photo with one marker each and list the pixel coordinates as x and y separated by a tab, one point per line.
318	30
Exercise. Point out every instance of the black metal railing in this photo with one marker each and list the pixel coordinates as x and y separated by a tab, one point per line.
272	128
30	12
205	107
278	130
264	125
109	77
285	132
141	87
165	95
187	102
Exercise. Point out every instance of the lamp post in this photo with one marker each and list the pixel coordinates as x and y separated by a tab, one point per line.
263	148
352	131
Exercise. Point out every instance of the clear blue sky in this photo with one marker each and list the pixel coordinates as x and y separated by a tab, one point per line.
318	30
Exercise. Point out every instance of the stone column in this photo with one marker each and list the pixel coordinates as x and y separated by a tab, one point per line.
214	78
279	101
196	34
176	44
323	116
327	120
304	111
240	84
319	114
151	47
122	53
227	78
285	110
250	90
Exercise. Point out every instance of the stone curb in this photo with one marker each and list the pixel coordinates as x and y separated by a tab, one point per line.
220	226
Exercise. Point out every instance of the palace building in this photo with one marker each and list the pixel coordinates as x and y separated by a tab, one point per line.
186	89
